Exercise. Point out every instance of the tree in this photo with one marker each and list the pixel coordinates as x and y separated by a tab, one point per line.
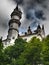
1	52
1	44
32	53
13	52
45	51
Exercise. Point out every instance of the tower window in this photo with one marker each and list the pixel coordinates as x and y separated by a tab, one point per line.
13	38
11	26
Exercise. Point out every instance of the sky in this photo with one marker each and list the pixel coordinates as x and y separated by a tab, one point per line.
34	12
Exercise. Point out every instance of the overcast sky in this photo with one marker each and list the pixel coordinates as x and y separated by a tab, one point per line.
33	12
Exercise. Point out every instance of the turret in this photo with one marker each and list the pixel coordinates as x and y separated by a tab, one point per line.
43	31
29	30
14	24
38	30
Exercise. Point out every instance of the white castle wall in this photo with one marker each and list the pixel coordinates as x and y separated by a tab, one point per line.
15	17
28	38
14	25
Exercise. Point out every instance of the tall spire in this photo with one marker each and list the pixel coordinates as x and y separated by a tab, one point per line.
17	6
14	24
43	31
38	27
42	27
29	30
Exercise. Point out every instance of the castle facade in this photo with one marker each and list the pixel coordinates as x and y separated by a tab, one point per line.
13	32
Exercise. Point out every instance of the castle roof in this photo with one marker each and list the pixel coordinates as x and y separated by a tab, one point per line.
25	35
16	12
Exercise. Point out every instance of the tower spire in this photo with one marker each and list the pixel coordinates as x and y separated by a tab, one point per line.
17	6
14	24
43	31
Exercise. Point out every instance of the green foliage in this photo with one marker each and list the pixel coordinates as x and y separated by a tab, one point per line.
13	52
1	52
1	45
33	52
45	50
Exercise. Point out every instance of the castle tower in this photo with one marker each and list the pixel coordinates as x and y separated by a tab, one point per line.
38	30
14	24
29	30
43	31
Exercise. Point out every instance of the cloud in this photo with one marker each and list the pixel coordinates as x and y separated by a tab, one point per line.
33	12
6	7
32	8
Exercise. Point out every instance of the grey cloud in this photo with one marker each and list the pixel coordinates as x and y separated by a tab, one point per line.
36	5
18	1
41	15
31	9
3	25
5	10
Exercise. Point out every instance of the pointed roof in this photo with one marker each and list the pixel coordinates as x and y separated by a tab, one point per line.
29	28
17	6
38	27
42	27
17	12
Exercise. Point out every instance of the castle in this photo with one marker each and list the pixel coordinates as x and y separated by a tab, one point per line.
13	32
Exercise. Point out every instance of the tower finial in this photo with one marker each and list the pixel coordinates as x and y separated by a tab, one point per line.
43	27
17	6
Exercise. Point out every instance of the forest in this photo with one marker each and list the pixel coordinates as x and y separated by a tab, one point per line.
33	52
